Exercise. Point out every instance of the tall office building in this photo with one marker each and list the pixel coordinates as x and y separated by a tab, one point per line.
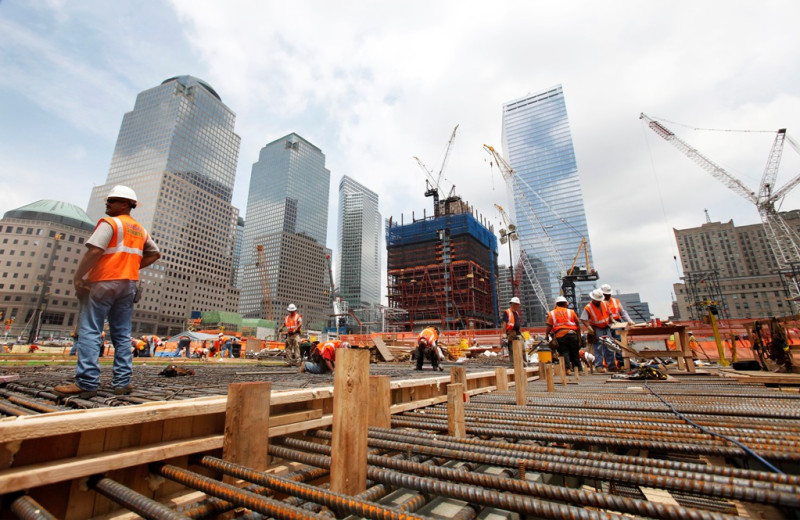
287	214
548	207
358	255
178	151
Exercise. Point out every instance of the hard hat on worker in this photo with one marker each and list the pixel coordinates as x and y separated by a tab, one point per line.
561	299
605	288
597	295
123	192
514	300
291	307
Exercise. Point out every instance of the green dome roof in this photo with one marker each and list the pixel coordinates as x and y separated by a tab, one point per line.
53	211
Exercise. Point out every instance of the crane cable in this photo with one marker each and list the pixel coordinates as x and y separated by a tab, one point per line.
712	129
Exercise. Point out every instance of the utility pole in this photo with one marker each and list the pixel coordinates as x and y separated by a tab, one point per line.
41	303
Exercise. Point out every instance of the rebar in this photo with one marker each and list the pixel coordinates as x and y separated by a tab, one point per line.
27	508
136	502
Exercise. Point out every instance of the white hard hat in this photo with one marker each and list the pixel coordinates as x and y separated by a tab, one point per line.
291	307
597	295
345	344
605	288
561	299
122	192
514	300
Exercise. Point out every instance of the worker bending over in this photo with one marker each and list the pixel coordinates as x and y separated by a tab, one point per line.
562	323
323	357
427	346
597	320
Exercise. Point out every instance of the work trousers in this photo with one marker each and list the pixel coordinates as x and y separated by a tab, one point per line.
568	349
431	353
293	345
601	352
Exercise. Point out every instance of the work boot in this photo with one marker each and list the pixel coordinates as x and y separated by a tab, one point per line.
440	369
123	390
73	390
569	371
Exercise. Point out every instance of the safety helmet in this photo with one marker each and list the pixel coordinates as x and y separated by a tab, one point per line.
423	342
345	344
597	295
605	288
514	300
123	192
291	307
561	299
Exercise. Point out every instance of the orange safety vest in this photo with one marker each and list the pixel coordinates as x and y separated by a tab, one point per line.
614	308
598	317
293	322
123	256
328	349
429	335
563	320
511	321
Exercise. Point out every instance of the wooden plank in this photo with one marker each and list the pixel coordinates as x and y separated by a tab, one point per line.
458	375
81	500
520	374
36	475
456	426
385	353
660	496
501	375
247	425
349	439
380	401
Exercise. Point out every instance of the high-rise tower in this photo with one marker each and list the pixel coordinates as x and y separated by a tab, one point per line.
538	145
358	255
287	214
178	151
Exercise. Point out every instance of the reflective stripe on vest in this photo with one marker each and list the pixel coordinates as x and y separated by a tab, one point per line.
562	319
598	318
123	256
614	308
293	322
511	321
429	335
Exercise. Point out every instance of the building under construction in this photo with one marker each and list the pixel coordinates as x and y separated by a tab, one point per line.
442	270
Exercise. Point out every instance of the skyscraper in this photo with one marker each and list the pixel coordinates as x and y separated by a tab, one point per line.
548	208
287	214
178	151
358	255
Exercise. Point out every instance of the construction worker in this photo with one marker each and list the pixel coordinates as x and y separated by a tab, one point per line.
183	343
293	323
618	314
138	346
563	324
152	344
305	348
597	320
323	357
105	282
427	346
512	322
225	343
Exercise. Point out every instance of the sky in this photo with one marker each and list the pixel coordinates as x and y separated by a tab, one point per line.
374	84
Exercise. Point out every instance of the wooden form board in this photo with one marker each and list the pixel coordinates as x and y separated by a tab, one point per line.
42	453
384	351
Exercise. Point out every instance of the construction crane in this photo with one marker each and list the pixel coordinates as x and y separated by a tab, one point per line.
783	240
432	187
507	237
263	278
522	193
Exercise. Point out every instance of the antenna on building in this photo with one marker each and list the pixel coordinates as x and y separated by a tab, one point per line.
708	219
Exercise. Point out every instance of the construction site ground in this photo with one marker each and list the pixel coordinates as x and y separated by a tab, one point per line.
589	447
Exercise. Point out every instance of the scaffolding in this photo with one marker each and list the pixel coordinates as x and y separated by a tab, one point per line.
442	271
703	287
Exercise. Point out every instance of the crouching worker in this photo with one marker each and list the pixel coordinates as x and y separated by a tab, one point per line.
427	346
323	357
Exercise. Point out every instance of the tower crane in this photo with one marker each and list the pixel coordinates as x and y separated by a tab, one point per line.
522	193
263	278
507	237
783	240
432	187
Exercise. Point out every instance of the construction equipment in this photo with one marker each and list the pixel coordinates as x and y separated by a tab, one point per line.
522	193
263	278
772	346
510	236
432	184
783	240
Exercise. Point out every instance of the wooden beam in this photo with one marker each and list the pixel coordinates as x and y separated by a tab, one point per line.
380	401
246	438
501	375
456	426
520	374
458	375
349	441
548	374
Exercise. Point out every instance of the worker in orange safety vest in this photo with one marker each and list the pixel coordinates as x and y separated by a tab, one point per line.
597	320
293	323
427	346
563	325
512	324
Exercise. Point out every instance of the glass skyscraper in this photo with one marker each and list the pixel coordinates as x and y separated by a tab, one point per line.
178	151
287	214
358	264
548	203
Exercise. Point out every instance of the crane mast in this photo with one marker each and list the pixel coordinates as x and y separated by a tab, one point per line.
782	239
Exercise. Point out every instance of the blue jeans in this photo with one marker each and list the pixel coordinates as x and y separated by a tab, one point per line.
112	300
601	351
228	345
315	368
187	346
